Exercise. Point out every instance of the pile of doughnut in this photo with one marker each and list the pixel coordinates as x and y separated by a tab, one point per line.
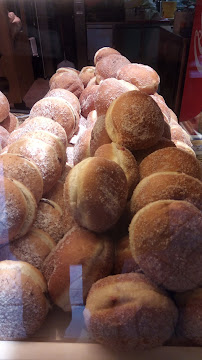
101	195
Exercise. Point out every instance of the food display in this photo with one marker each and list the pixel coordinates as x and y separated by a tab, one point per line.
101	200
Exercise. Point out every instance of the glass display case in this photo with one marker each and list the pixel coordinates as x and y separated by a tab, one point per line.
100	179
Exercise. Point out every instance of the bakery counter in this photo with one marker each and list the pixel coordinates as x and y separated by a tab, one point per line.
78	351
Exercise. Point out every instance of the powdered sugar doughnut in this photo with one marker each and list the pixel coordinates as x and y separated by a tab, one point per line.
87	99
93	81
108	66
109	90
99	135
43	155
67	80
57	109
142	76
103	52
67	69
179	134
4	136
4	107
39	123
10	123
91	119
82	147
86	74
66	95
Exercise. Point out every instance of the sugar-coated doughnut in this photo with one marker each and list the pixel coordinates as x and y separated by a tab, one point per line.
134	120
66	95
165	240
4	136
67	69
99	135
179	134
181	145
96	190
93	81
24	305
166	186
13	210
4	107
109	90
87	99
79	253
127	312
82	147
142	76
170	159
108	66
86	74
39	123
124	261
125	159
67	80
10	123
32	248
43	155
103	52
57	109
91	119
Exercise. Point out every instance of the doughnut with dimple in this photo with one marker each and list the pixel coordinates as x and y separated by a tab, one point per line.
43	155
57	109
103	52
166	186
142	76
96	190
67	80
79	250
4	107
127	312
24	305
125	159
165	240
170	159
13	210
66	95
39	123
108	66
134	120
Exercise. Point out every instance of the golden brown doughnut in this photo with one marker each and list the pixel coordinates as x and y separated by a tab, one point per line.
103	52
108	66
125	159
24	305
58	110
4	107
32	248
127	312
99	135
165	240
134	120
96	190
161	144
79	250
181	145
170	159
143	76
166	186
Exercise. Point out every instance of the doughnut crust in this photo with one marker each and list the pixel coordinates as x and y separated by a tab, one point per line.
108	66
170	159
135	121
165	240
127	312
96	190
166	186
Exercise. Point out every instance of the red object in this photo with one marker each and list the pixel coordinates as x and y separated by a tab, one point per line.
192	95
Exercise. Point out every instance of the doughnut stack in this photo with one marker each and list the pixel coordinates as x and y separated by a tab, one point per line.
102	194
